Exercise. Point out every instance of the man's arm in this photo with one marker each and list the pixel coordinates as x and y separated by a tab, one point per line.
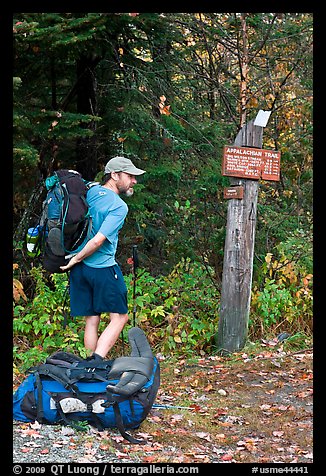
91	246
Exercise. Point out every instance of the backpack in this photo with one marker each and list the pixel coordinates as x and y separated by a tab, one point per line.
65	222
115	393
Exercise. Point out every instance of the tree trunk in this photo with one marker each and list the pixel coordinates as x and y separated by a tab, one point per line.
243	71
86	104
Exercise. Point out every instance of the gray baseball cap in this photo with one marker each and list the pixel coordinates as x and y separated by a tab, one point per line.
122	164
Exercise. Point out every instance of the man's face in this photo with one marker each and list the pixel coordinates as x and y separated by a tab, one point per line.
126	183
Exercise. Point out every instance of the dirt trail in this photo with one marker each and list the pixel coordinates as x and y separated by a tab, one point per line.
242	409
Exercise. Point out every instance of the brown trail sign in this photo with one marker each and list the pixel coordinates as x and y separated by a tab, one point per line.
251	163
240	232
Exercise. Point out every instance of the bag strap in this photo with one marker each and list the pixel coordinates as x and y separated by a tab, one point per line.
90	184
64	213
121	428
87	375
58	374
39	405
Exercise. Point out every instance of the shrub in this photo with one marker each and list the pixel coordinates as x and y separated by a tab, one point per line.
284	300
38	324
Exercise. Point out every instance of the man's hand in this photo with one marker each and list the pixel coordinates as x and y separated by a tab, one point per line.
71	263
90	247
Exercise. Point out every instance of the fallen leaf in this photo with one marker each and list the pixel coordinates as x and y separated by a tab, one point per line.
32	433
227	457
119	454
202	457
222	392
175	418
105	446
65	430
202	434
149	459
278	433
146	436
36	425
117	438
308	455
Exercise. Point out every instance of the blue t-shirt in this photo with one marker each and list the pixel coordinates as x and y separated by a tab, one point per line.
108	212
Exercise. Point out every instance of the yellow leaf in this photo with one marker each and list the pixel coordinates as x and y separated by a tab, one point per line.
165	110
268	257
18	290
177	339
253	102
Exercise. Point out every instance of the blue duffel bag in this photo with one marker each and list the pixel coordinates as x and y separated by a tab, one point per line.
115	393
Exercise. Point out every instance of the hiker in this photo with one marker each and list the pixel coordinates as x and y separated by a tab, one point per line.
96	281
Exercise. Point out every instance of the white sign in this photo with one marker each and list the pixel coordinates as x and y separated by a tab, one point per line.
262	118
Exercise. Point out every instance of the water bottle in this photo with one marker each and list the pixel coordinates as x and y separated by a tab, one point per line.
32	238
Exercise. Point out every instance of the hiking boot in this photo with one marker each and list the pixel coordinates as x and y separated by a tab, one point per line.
94	357
92	360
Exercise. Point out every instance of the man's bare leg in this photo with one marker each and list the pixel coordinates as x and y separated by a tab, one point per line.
111	333
91	332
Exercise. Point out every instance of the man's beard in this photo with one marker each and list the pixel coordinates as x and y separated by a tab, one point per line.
129	192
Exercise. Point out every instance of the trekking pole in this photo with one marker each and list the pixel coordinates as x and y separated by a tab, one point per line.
134	267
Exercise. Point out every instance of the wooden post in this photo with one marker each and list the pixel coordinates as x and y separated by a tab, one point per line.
239	253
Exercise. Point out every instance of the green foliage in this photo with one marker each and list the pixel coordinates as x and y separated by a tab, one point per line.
282	296
273	303
134	61
38	325
180	310
88	86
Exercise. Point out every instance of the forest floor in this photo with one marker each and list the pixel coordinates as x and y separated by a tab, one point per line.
246	408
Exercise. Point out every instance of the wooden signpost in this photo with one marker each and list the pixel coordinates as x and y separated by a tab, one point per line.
245	163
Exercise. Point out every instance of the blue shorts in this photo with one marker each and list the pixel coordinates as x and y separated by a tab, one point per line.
97	290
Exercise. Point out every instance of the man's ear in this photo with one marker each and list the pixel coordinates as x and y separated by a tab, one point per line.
115	176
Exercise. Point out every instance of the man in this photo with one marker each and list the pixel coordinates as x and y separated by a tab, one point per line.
96	281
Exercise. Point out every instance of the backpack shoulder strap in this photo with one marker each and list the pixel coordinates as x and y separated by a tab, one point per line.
90	184
63	358
57	373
